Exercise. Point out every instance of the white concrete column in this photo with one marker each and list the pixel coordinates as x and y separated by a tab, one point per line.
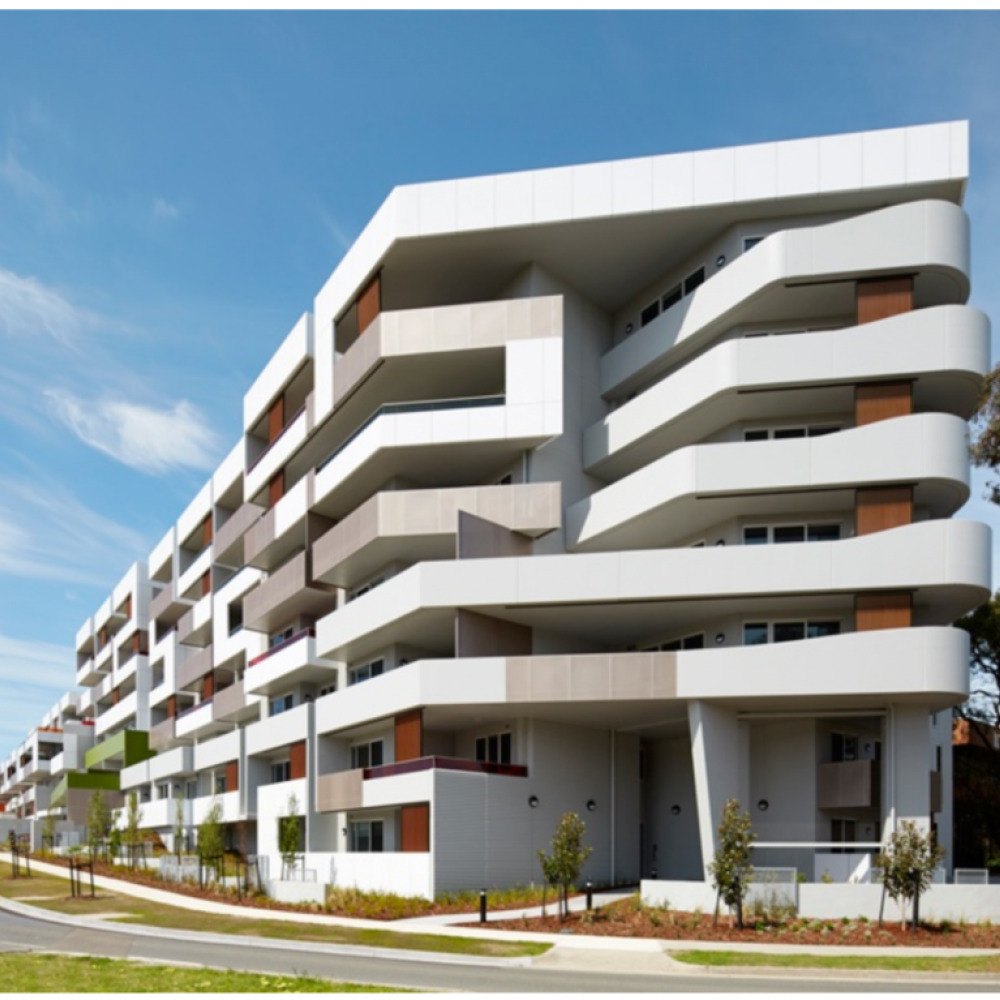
910	760
715	753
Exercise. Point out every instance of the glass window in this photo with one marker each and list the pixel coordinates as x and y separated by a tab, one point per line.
789	432
367	754
650	313
692	281
672	298
755	536
220	784
282	704
281	771
279	637
793	533
755	634
755	435
823	533
367	836
365	672
749	242
819	630
695	641
816	432
789	631
495	749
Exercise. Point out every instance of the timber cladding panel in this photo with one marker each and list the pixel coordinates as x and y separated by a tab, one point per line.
276	489
276	419
233	776
886	610
298	760
881	508
882	401
880	298
410	735
370	303
415	827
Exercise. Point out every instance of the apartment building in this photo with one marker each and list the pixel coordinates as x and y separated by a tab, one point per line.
621	489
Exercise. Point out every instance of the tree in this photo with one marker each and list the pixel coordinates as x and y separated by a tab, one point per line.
730	867
49	831
288	835
210	835
986	447
133	818
908	864
98	821
178	826
562	866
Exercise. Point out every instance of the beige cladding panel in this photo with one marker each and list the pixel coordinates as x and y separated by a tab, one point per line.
616	676
340	791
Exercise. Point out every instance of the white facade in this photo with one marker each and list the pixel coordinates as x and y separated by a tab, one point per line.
620	489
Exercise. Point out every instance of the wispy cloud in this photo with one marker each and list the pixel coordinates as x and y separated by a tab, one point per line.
46	533
342	237
164	211
30	189
140	436
41	672
28	308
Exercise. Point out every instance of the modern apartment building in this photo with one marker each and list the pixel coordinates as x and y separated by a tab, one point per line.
621	489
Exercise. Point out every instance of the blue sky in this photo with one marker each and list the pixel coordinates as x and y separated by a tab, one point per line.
175	188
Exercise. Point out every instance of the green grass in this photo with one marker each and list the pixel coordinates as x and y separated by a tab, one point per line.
62	974
140	911
963	963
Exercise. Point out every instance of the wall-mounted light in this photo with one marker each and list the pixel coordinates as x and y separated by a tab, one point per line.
763	805
720	261
675	810
628	328
591	805
720	638
533	801
721	541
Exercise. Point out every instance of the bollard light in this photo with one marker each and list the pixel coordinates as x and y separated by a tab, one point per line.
590	895
482	906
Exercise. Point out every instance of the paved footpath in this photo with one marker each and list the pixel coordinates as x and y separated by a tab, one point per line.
589	962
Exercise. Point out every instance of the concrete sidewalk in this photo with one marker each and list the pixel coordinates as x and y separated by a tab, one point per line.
569	942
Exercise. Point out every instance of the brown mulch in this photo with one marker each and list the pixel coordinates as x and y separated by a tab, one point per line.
626	919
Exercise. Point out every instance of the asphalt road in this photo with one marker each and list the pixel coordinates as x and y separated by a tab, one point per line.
18	933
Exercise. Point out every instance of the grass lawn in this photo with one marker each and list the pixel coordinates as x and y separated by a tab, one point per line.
970	963
54	893
62	974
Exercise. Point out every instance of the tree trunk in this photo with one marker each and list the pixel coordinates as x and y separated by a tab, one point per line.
881	905
739	913
916	904
715	918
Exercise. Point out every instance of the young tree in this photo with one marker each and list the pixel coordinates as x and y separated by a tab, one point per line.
49	831
211	842
730	868
133	818
908	864
562	866
178	826
98	821
288	835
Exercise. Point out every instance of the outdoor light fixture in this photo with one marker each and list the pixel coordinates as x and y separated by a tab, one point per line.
763	805
675	810
720	261
591	805
720	638
629	328
721	541
533	801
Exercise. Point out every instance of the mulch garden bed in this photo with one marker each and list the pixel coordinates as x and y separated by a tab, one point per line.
629	919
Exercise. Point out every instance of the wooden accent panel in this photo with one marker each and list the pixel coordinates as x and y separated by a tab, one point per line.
206	582
370	303
298	755
880	298
415	827
128	606
276	489
881	508
208	686
410	735
172	707
882	401
887	610
233	776
115	696
276	419
102	637
206	532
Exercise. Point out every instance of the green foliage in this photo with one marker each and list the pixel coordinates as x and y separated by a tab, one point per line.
49	831
211	843
178	825
730	868
561	867
288	834
986	447
133	818
908	864
98	821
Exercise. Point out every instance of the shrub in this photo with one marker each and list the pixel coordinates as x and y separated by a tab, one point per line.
730	867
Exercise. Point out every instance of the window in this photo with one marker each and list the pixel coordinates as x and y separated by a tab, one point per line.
688	642
749	242
367	836
365	672
937	759
220	784
785	533
672	297
353	595
163	791
787	433
505	480
279	637
494	749
281	771
761	633
693	280
843	831
649	313
191	790
367	754
235	618
281	704
329	689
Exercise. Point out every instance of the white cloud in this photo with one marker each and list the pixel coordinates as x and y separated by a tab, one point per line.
29	308
164	211
46	533
41	672
28	187
142	437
